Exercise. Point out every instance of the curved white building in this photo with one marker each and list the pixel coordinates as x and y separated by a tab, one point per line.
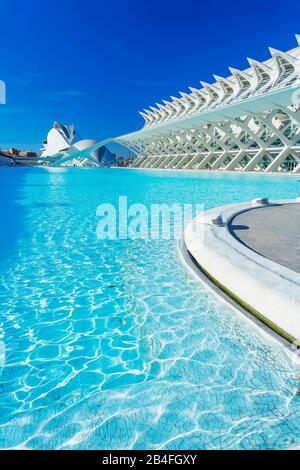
61	147
59	139
248	121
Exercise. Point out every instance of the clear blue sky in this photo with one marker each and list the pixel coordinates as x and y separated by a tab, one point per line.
97	63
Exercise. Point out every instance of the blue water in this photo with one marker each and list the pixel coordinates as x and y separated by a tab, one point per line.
112	344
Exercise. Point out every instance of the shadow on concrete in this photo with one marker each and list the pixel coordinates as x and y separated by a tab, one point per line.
272	232
239	227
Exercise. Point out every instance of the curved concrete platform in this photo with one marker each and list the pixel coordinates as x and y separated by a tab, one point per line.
273	232
246	252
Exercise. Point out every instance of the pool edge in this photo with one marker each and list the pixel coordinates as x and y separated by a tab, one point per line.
267	327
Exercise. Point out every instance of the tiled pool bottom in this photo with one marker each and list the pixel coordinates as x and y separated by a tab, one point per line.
112	345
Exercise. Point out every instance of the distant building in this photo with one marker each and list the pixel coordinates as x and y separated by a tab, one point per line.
25	153
61	140
122	162
14	152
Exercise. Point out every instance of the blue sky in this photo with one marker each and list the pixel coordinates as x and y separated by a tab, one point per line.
96	63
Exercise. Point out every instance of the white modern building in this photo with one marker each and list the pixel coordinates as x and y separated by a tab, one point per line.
248	121
62	148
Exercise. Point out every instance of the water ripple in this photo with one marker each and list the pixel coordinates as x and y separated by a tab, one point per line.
113	345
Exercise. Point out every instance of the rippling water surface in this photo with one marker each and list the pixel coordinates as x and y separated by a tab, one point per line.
112	344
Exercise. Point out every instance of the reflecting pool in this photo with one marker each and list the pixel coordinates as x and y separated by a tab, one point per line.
112	344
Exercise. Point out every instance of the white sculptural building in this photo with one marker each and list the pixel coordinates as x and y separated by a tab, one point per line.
248	121
62	148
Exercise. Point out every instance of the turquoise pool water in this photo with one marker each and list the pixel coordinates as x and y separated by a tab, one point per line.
112	344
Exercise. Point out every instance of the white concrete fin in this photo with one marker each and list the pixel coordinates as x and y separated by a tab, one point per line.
171	107
205	84
241	77
176	101
260	64
274	51
144	116
199	91
212	90
156	113
194	90
222	79
224	83
150	114
160	106
285	55
240	72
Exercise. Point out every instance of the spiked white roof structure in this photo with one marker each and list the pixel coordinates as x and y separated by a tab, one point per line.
281	70
247	121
